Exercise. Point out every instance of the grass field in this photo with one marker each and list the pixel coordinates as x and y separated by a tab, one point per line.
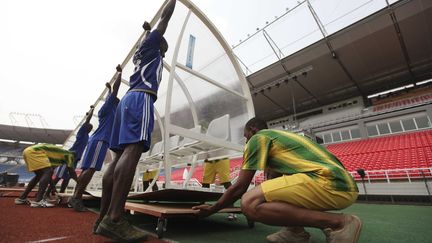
381	223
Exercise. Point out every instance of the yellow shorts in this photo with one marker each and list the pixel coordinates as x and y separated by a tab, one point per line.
303	191
147	176
36	159
220	167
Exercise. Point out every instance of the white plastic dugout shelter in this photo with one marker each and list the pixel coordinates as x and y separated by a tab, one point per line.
201	82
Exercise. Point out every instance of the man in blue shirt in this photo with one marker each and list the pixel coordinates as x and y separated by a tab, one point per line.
132	130
98	143
78	147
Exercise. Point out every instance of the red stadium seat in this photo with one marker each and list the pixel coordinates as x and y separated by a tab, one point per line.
402	151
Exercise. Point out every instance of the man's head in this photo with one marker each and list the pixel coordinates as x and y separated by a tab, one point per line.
253	126
163	47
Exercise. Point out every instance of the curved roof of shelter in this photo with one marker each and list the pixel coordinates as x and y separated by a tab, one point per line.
201	79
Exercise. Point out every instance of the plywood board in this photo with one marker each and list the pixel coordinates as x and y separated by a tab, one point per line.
171	195
178	195
168	210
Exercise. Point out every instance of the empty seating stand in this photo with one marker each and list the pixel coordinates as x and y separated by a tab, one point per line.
402	151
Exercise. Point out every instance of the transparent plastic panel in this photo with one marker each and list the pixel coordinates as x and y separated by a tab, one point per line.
255	54
208	57
212	102
181	114
338	14
122	89
128	70
174	28
157	133
297	29
294	31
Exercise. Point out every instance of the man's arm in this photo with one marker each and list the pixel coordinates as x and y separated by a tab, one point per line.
89	115
147	28
166	16
232	194
116	84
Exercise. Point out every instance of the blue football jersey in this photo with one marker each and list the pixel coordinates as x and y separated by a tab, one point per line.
148	65
106	117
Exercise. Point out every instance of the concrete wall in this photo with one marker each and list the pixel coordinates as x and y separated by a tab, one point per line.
396	188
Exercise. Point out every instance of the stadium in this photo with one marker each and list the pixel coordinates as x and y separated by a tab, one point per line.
362	89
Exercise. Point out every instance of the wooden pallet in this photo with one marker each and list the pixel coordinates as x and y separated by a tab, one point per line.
164	211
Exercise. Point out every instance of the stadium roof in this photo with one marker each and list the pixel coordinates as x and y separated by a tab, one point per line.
386	50
36	135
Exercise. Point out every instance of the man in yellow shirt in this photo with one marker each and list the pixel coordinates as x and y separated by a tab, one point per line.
147	179
308	181
41	159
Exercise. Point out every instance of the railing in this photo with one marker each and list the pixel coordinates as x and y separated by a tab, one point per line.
394	174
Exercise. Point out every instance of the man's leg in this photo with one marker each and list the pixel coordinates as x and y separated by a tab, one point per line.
123	175
83	180
279	213
52	186
145	185
31	184
107	185
64	184
43	183
112	224
155	186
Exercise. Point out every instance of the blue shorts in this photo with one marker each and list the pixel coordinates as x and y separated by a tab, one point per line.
133	122
62	172
94	155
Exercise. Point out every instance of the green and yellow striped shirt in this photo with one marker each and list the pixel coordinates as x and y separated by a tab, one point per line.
56	155
288	153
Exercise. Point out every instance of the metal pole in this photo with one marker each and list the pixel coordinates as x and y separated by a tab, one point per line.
364	188
427	187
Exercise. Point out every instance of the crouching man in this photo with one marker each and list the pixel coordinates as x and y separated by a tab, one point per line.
310	181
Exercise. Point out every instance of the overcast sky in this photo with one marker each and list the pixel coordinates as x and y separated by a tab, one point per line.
56	55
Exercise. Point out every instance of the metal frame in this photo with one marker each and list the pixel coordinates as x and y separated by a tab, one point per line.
166	127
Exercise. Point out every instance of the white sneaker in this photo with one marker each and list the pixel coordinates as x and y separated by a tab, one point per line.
285	235
350	233
41	204
19	201
232	217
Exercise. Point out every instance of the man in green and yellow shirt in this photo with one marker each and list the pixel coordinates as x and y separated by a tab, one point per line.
304	181
41	159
